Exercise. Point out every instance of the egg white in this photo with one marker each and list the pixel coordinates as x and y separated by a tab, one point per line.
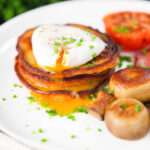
43	44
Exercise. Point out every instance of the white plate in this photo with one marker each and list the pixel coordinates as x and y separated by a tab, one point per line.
16	113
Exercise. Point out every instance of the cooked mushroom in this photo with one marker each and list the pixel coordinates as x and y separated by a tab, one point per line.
100	105
132	83
127	118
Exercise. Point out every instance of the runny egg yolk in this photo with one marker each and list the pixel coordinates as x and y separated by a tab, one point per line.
60	63
61	104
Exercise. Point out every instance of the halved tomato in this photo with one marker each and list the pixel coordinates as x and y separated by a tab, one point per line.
143	58
131	30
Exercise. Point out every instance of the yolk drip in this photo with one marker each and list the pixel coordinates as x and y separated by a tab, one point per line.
62	104
60	63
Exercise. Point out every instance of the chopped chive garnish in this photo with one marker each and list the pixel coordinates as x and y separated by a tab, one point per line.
147	105
88	30
82	109
94	63
89	65
121	29
133	22
81	40
38	108
57	44
66	42
144	51
103	35
72	40
140	66
147	67
123	105
51	113
105	89
15	85
66	52
72	117
60	115
91	46
14	96
73	136
40	130
100	130
130	66
94	55
91	85
91	97
111	92
79	44
122	59
87	128
33	132
4	99
64	38
27	125
43	140
56	51
93	38
45	104
31	99
137	108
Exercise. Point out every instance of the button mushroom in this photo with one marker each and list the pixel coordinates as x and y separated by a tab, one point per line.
131	83
127	118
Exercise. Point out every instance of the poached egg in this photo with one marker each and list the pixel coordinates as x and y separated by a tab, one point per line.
59	47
